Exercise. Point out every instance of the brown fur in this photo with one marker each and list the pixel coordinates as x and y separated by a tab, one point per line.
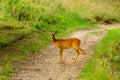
66	44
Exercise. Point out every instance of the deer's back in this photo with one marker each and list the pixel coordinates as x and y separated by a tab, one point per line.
67	43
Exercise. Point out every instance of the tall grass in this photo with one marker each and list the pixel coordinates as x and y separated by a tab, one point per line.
105	64
96	11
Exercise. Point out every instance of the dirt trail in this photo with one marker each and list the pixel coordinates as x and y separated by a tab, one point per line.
45	65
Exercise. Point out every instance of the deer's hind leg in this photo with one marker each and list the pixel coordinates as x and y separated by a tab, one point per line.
78	50
83	51
78	53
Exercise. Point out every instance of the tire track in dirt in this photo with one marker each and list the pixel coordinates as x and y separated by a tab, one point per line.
45	64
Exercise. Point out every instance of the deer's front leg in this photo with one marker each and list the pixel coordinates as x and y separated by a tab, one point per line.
61	55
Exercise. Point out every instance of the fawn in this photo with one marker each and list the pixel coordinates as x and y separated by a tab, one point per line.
66	44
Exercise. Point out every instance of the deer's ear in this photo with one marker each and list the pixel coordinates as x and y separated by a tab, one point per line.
55	32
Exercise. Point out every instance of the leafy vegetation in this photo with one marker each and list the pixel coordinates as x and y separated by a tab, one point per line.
105	64
25	25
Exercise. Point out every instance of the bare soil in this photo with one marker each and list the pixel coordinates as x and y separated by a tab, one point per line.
45	65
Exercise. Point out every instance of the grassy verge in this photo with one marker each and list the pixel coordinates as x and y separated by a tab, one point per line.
105	64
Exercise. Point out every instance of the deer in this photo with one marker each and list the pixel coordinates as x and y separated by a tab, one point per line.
67	44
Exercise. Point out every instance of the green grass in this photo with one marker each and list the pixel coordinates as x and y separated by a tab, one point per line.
25	26
12	31
105	64
95	11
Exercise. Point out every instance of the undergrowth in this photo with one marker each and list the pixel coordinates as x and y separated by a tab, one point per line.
96	11
25	26
105	64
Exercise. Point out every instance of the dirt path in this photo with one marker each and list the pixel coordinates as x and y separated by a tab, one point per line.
45	65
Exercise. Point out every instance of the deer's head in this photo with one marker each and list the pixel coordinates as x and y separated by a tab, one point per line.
53	34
